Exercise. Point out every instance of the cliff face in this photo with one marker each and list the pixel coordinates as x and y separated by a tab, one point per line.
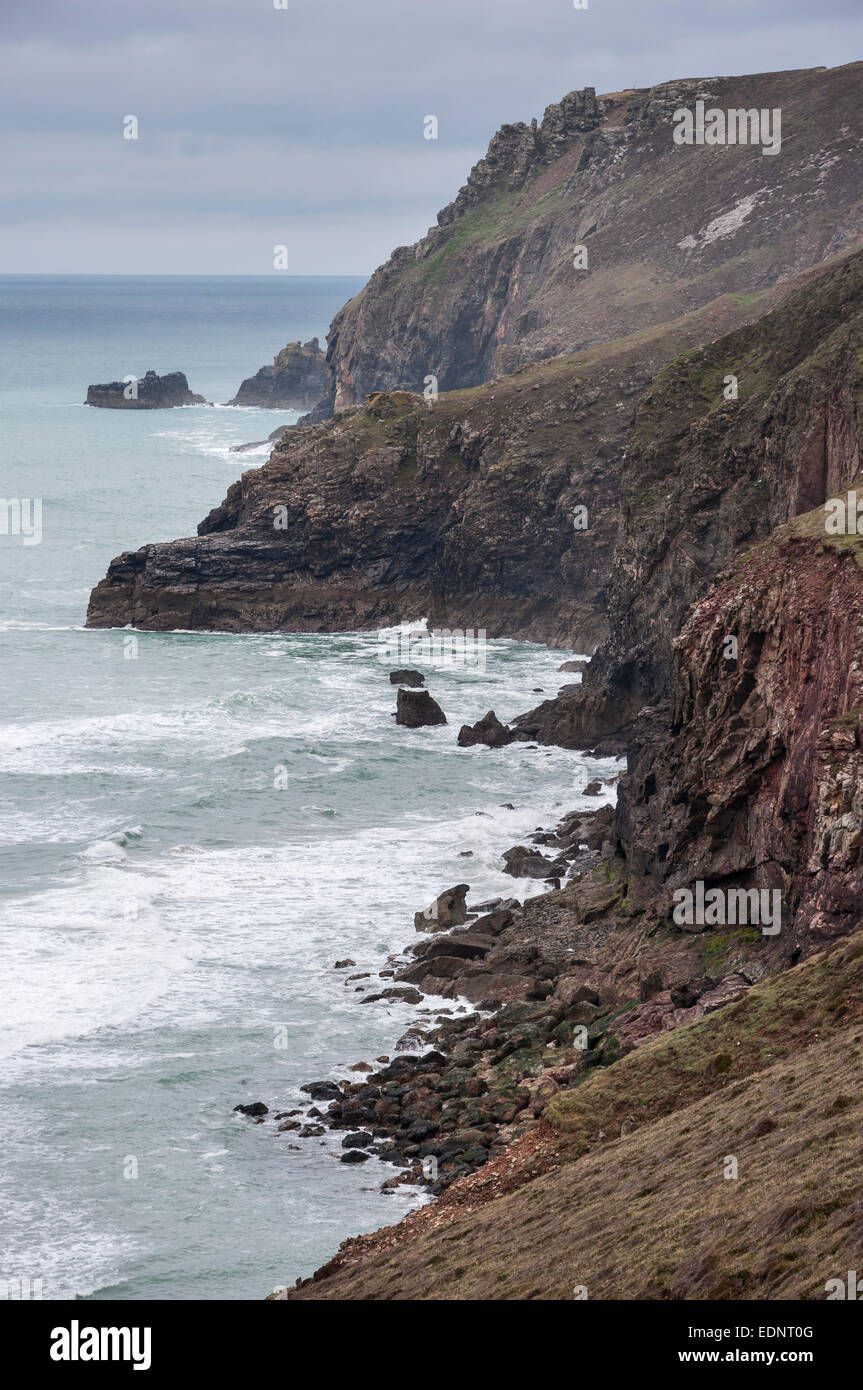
148	392
666	228
755	780
462	511
296	380
704	476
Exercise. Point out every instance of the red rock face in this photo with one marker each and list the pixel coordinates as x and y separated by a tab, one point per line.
759	784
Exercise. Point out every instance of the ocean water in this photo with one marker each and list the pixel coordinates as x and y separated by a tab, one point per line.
194	827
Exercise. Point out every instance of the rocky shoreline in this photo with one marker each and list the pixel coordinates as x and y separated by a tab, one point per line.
461	1088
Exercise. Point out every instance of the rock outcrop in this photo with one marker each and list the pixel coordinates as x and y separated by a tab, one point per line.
489	730
147	392
757	780
296	380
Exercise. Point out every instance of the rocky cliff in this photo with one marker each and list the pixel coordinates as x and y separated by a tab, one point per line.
705	475
699	1039
148	392
663	227
461	510
296	380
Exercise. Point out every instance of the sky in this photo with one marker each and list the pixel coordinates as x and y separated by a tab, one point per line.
302	126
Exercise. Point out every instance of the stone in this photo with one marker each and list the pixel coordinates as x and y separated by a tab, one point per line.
449	909
411	678
257	1107
522	862
415	709
488	730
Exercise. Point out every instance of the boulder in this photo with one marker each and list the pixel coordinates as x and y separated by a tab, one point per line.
257	1107
414	678
522	862
488	730
416	708
322	1090
449	909
404	994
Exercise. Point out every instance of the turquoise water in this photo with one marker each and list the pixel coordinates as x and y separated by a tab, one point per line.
193	832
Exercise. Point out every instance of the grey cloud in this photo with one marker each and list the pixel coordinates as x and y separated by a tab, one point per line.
252	118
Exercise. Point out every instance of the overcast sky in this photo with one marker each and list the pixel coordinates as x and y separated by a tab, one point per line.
304	126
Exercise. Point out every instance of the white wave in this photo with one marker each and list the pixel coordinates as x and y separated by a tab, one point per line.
87	956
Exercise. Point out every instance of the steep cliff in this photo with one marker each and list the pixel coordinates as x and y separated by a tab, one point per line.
704	476
665	228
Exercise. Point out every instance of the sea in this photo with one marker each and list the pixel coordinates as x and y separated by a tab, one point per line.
194	827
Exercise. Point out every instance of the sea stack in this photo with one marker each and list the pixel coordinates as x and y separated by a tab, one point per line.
147	392
296	381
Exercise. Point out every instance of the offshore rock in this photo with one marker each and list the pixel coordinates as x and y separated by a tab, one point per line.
294	382
149	392
416	708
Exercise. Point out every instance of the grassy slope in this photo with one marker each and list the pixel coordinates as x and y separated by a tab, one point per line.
772	1080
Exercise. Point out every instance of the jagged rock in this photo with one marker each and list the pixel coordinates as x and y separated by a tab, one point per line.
416	709
488	730
449	909
256	1107
295	381
149	392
